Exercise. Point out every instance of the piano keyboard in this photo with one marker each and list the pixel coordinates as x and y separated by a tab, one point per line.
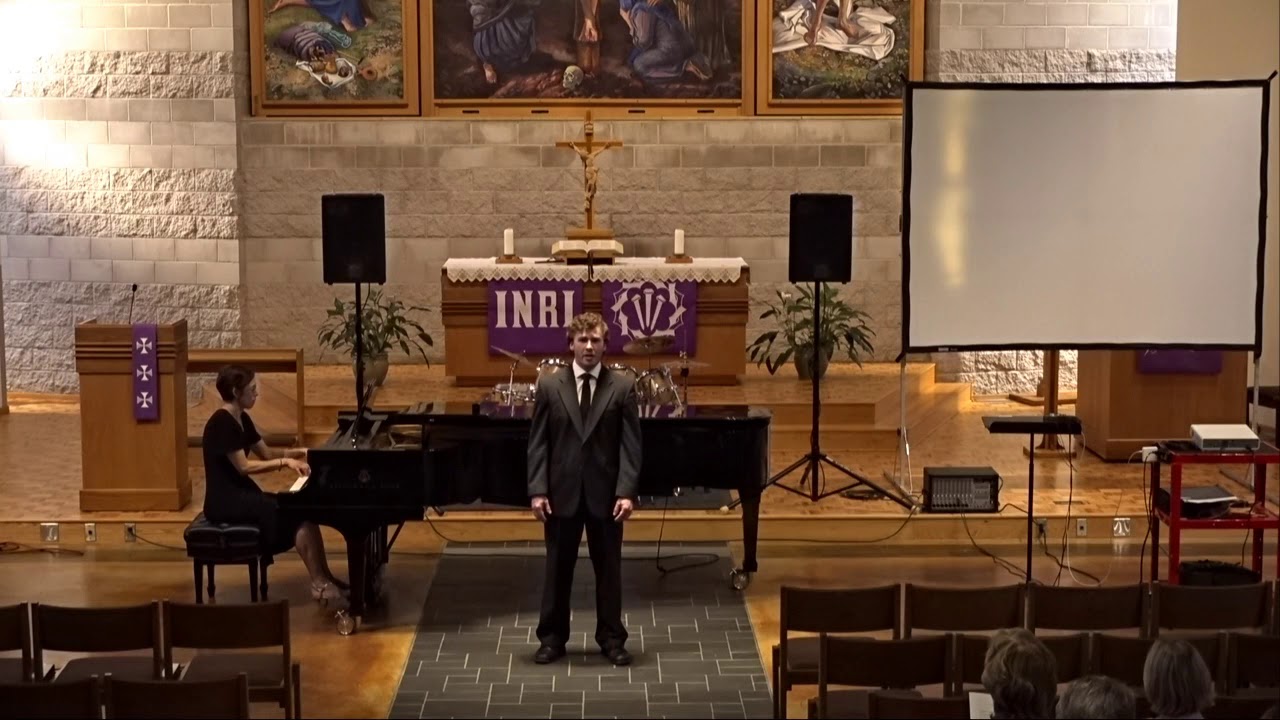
300	483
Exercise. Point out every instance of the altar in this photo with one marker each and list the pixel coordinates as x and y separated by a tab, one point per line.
700	306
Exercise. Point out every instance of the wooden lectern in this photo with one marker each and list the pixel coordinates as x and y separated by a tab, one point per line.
127	464
1124	409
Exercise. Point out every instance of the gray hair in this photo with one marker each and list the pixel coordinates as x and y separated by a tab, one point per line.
1176	679
1020	674
1096	696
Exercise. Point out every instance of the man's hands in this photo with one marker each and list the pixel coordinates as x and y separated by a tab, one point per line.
622	509
300	466
541	507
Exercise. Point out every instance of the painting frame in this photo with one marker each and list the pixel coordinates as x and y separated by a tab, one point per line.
600	108
410	63
767	104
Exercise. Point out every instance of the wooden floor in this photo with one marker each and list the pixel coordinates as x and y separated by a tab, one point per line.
356	676
40	456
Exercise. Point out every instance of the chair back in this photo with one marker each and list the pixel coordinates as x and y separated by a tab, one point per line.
15	634
97	630
1253	661
963	609
182	699
1123	658
1210	607
866	662
78	699
1089	608
227	627
841	610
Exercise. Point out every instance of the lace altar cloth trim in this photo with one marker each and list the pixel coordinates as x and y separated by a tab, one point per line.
704	270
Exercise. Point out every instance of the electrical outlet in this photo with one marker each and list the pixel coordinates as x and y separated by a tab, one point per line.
1082	527
1121	527
1042	525
1149	453
49	532
130	532
91	532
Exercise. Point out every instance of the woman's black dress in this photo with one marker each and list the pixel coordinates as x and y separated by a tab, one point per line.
230	497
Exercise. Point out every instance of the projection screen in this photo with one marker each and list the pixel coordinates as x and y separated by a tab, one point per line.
1080	216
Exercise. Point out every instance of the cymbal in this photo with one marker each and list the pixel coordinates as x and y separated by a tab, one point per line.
651	345
517	357
691	364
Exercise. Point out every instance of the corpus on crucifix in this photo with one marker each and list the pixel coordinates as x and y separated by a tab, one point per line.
588	149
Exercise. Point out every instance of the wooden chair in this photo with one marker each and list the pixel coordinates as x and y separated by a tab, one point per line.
1213	607
1123	658
1237	707
894	705
1121	607
100	630
867	663
15	634
951	609
1253	666
814	610
237	627
28	700
182	699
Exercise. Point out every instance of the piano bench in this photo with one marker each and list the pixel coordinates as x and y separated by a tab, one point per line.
210	545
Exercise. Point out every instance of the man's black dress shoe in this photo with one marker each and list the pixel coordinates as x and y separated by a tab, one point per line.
617	655
547	654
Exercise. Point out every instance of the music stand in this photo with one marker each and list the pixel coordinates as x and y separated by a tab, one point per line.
1031	425
813	459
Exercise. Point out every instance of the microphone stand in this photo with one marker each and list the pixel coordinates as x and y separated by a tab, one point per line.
359	372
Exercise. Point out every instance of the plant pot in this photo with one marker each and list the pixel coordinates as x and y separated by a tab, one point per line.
375	370
803	360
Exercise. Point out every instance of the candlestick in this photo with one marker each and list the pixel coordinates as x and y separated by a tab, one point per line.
508	242
679	242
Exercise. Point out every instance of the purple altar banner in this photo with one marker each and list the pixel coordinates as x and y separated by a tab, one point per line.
146	384
647	308
530	316
1192	362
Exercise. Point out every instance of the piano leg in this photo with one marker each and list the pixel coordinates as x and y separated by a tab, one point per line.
358	542
740	578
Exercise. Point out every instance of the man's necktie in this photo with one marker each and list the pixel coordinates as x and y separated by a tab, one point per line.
585	405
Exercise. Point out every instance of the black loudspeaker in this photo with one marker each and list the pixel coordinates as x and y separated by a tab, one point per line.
821	238
355	238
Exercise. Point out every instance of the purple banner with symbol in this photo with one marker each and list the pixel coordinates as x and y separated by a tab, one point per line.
634	310
1192	362
530	316
146	384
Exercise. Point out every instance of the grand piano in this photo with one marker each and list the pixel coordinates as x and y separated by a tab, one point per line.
382	469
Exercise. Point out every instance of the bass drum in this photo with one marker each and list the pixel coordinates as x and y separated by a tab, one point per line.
655	387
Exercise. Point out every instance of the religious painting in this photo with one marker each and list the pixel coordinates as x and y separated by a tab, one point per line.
838	56
334	57
549	53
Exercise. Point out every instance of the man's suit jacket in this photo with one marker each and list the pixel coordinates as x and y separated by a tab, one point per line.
598	459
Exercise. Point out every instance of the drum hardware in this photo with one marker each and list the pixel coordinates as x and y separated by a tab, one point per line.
652	345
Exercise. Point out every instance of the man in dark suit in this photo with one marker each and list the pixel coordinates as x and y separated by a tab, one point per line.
584	469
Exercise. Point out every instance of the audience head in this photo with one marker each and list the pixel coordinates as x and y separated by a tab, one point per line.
1272	713
236	384
1020	674
1176	680
1096	696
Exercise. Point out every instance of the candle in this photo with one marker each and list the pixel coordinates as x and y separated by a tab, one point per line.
508	242
679	242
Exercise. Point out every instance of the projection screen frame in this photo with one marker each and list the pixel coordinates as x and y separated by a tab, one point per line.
1256	346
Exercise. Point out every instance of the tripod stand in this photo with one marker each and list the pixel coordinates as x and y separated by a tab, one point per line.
815	457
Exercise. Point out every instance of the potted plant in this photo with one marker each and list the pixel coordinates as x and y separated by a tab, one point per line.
843	327
384	325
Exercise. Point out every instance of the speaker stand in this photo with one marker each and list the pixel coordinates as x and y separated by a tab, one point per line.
359	340
813	459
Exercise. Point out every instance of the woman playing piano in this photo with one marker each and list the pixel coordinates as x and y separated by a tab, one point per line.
231	496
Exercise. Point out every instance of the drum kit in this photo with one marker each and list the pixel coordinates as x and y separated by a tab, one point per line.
655	386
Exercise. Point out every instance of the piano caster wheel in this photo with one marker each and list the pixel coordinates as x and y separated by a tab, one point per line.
739	579
347	624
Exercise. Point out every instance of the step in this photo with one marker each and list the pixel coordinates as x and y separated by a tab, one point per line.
925	414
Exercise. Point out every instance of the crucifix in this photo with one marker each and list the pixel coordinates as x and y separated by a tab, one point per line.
588	147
